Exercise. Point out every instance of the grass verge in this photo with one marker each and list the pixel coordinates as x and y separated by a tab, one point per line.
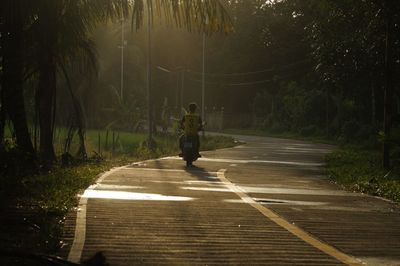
34	206
360	170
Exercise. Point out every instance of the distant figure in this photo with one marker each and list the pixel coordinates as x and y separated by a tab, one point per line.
191	124
165	116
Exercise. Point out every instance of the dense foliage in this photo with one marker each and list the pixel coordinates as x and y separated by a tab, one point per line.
360	171
318	67
49	64
41	41
321	63
323	67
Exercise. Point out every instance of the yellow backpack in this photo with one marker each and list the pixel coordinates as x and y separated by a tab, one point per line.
191	124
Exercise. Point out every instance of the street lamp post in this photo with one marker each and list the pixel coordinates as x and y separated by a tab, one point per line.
180	80
182	88
122	59
150	140
203	83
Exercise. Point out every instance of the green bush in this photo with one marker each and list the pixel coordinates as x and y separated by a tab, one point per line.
361	171
309	131
277	128
349	130
366	131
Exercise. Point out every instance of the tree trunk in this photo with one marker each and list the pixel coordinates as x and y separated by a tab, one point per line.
79	120
388	94
12	80
82	148
2	110
45	103
373	103
2	121
327	122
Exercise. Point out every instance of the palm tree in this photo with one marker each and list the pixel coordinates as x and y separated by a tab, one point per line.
58	37
14	14
201	15
62	29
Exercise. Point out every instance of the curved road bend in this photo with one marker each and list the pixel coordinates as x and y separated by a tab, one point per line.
267	202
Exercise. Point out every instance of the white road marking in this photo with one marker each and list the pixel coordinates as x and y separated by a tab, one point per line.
168	170
117	187
222	160
78	243
80	228
296	191
80	232
123	195
213	189
281	202
208	183
269	190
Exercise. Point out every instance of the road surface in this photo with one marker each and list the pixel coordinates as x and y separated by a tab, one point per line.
266	202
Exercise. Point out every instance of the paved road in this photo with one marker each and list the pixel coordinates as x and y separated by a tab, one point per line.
266	202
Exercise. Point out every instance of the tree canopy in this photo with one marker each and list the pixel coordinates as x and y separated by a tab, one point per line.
318	67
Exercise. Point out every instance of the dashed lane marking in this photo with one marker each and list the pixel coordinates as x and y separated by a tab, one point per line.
80	228
300	233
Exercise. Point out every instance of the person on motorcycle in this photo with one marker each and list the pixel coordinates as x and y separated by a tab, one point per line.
191	124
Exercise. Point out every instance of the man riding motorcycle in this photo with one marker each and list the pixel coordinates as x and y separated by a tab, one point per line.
191	123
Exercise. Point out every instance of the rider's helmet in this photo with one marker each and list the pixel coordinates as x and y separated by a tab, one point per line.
192	107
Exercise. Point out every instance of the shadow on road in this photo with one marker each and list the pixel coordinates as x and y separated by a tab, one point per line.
201	173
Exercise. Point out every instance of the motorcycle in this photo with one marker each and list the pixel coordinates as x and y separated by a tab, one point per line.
189	152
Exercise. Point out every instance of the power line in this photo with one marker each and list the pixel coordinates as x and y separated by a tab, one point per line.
252	82
276	78
235	84
250	72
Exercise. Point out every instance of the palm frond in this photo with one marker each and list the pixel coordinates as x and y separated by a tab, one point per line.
202	15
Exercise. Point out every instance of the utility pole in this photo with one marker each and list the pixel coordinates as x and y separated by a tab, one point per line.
180	84
122	59
182	87
387	113
177	92
203	83
150	140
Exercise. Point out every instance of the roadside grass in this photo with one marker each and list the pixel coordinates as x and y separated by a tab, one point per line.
101	142
361	170
42	200
34	206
